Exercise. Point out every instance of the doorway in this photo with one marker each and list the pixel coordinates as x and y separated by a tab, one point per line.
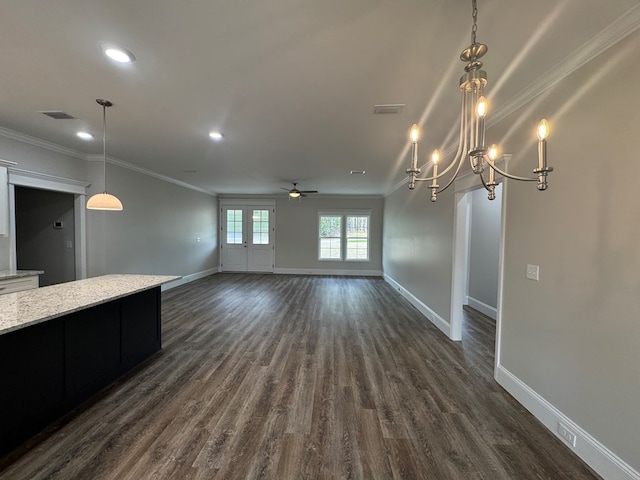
45	234
248	242
461	248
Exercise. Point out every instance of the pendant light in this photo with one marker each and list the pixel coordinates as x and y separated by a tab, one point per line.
104	200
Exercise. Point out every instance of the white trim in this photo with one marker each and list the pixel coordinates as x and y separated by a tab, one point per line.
244	202
327	272
432	316
488	310
80	219
4	201
606	38
190	278
144	171
591	451
44	181
38	142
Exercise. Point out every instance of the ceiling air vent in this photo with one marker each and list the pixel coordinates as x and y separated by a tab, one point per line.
392	108
57	115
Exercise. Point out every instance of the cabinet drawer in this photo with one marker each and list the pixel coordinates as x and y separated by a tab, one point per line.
18	284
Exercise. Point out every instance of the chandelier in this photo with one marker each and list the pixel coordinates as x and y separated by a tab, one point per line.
471	142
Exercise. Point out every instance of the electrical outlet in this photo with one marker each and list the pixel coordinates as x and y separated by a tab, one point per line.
533	272
566	434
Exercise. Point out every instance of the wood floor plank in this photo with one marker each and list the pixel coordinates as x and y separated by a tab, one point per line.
299	377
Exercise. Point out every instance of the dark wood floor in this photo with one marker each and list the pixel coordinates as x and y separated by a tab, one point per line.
287	377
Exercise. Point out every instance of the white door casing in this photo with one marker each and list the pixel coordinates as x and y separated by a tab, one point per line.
247	233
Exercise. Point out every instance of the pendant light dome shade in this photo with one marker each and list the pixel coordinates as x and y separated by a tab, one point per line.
104	200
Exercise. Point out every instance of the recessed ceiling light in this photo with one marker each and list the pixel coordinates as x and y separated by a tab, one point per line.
85	135
217	136
357	172
117	53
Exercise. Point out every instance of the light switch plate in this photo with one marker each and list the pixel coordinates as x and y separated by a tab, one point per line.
533	272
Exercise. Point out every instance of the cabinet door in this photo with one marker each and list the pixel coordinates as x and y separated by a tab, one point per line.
31	381
140	317
92	350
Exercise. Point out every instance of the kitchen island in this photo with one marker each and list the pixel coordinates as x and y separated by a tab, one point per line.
61	344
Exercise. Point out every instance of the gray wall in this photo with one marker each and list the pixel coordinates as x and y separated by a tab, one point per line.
573	336
417	245
484	247
36	158
154	234
40	246
297	231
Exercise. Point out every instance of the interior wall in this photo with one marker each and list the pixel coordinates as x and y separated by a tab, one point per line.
484	247
154	234
418	245
40	246
572	337
297	232
157	230
34	158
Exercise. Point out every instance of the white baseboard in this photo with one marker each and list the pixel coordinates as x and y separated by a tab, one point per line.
433	317
488	310
190	278
606	463
327	271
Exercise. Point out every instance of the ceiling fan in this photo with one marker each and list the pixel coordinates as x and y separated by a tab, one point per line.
295	193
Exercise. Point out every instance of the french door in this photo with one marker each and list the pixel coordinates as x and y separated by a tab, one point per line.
247	238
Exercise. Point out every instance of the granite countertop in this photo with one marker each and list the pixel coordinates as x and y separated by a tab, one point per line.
8	274
29	307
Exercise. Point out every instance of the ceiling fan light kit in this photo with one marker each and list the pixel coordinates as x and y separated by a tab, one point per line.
471	141
295	193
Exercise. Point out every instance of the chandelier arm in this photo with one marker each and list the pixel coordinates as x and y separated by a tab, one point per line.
462	147
513	177
455	175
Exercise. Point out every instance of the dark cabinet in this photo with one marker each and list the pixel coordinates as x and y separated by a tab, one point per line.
48	369
31	381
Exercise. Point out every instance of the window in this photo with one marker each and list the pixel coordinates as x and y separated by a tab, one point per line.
330	237
260	227
343	236
358	237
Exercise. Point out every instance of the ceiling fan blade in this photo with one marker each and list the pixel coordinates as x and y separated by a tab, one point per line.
308	191
302	194
287	189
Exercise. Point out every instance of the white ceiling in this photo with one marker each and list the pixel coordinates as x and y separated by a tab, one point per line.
291	84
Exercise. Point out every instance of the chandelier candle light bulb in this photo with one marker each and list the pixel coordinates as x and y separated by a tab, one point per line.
413	171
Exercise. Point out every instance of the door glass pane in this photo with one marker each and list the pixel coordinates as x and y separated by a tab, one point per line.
234	227
260	219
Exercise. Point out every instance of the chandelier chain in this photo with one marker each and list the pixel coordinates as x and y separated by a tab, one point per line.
474	28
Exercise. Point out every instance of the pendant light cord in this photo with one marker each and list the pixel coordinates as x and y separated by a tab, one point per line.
104	143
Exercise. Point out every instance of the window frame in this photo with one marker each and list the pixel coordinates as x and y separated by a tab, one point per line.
344	215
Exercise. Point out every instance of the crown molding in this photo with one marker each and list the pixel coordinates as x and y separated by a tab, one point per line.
149	173
607	38
38	142
616	31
